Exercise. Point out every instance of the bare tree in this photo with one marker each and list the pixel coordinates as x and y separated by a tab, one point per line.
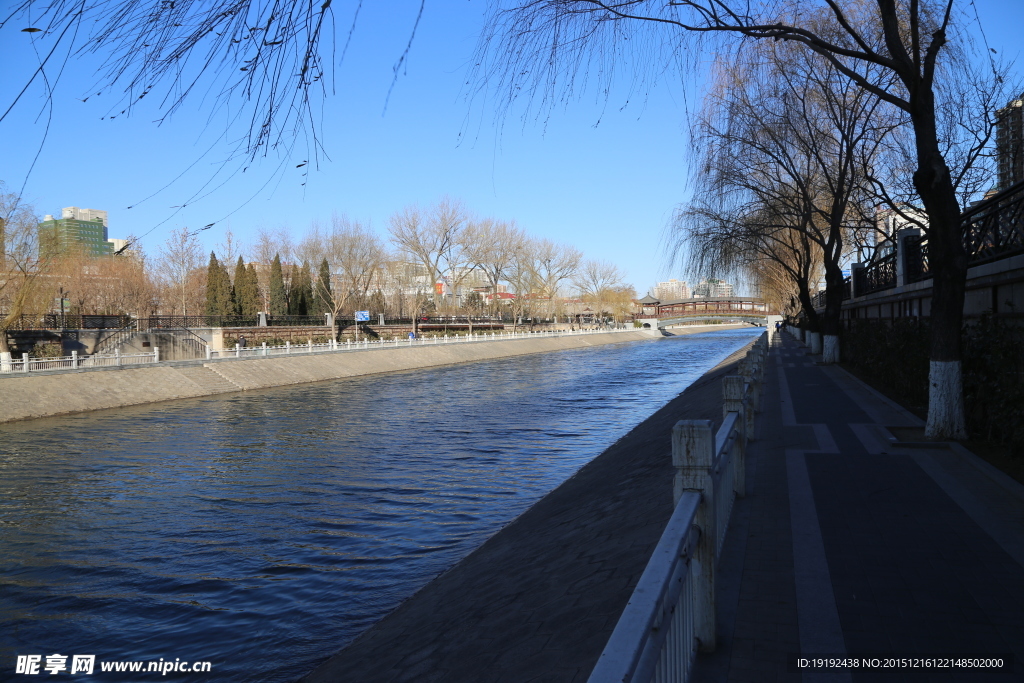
556	263
355	257
595	280
543	48
522	277
230	248
181	257
261	59
429	238
23	285
784	142
493	247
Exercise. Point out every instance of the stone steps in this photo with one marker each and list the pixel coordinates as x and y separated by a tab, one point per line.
208	379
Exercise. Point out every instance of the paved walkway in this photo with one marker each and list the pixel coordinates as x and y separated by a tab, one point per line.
847	543
539	599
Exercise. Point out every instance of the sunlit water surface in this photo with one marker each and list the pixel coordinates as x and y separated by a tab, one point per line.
262	531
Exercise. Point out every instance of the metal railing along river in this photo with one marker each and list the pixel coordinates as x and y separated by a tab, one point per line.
671	613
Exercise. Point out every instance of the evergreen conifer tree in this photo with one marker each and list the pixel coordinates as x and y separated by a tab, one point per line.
246	290
278	293
324	296
219	294
300	292
257	294
212	275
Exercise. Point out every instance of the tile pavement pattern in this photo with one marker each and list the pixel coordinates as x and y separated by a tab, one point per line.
912	571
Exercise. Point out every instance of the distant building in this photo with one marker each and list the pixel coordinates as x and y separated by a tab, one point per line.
710	288
872	245
117	245
673	289
84	229
1010	143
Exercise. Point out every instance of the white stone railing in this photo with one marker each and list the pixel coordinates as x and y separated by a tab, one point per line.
74	361
671	614
368	344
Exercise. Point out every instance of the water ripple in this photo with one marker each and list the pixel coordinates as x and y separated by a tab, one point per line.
261	531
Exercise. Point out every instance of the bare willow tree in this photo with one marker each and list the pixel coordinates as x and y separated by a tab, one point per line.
264	60
545	48
784	141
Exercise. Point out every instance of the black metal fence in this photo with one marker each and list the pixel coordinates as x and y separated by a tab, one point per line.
68	321
877	275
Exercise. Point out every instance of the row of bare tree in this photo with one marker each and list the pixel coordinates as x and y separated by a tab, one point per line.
439	259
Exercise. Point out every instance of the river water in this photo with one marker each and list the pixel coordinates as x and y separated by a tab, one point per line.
261	531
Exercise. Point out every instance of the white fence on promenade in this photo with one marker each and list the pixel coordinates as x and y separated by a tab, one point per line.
671	613
26	364
369	344
74	361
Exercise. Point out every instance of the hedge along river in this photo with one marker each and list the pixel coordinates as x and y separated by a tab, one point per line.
263	531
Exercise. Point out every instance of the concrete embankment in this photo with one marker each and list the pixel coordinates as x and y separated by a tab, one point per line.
46	394
539	599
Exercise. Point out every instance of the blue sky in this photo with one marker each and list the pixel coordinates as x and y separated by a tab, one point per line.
608	187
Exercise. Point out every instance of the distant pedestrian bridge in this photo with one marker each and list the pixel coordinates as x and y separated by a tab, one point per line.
717	309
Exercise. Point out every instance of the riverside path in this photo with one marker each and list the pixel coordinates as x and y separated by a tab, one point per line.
848	543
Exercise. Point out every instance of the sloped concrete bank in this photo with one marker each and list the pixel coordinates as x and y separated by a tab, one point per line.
44	395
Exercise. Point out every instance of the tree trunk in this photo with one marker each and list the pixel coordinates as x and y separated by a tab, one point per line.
830	321
947	262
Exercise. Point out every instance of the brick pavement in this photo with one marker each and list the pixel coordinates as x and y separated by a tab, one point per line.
538	600
847	543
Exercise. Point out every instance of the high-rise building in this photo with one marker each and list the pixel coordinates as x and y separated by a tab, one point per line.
84	229
1010	143
671	290
710	288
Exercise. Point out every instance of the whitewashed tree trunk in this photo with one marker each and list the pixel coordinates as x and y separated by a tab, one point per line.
830	354
945	401
5	361
815	342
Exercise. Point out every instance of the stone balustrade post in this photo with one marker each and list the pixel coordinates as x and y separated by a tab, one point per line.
264	348
732	402
117	356
209	352
74	358
692	455
156	354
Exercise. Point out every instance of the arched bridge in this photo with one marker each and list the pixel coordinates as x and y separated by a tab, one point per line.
716	309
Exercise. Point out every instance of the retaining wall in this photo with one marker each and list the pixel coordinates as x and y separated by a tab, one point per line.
31	396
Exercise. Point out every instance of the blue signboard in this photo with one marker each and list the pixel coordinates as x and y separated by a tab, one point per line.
362	316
